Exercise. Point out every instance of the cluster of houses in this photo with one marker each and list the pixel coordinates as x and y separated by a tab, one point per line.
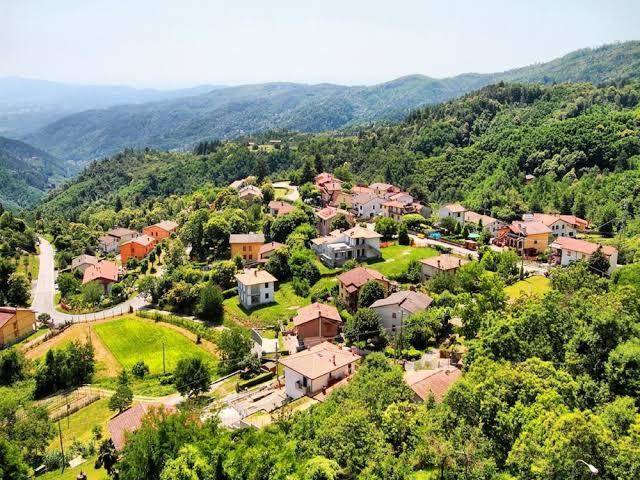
535	233
366	202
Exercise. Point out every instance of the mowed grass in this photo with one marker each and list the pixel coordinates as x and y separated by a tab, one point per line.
72	473
131	339
280	192
285	307
537	285
396	258
80	424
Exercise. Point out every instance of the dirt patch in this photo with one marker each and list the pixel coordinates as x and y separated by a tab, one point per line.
107	365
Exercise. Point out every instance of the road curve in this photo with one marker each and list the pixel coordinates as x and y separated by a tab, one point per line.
44	293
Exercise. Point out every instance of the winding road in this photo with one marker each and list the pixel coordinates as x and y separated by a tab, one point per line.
44	293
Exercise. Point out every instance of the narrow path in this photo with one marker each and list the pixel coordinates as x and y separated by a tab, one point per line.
44	293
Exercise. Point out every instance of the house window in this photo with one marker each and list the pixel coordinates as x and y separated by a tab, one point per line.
250	257
244	248
266	296
393	315
304	381
266	285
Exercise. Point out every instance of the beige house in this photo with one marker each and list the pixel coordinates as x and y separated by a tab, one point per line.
15	323
430	267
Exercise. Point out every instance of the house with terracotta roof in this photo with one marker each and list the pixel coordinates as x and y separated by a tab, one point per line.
246	245
15	323
529	238
316	323
446	263
490	224
111	240
313	370
427	383
82	262
567	250
325	216
357	243
268	249
397	307
560	225
137	248
131	419
385	190
238	184
366	205
452	210
250	193
255	287
330	191
103	272
278	208
350	283
323	178
161	230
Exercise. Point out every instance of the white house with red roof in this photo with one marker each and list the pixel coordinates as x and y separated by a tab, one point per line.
321	366
452	210
103	272
567	250
560	225
366	205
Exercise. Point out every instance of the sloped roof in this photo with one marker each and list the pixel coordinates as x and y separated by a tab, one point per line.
130	420
82	259
315	311
409	300
436	382
361	232
269	247
167	225
526	228
103	270
250	190
582	246
474	217
329	212
281	207
359	276
144	240
455	207
6	314
253	276
364	198
319	360
120	232
246	238
444	262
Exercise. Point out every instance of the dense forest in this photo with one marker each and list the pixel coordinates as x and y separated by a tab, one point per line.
240	110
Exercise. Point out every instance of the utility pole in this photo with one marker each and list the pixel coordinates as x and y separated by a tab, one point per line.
61	446
164	366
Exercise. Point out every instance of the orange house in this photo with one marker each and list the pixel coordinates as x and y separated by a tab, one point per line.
138	248
160	231
15	323
246	245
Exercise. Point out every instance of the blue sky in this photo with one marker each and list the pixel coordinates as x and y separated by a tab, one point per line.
171	43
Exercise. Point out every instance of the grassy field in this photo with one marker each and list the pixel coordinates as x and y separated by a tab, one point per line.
29	265
537	284
281	192
72	473
396	258
82	422
130	339
285	306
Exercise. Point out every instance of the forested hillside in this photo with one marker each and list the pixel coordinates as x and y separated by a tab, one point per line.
236	111
26	173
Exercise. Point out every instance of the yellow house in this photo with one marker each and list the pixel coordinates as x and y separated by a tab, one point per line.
246	245
529	238
15	323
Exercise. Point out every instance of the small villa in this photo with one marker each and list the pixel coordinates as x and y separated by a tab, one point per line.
357	243
161	230
316	323
452	210
350	283
137	248
567	250
397	307
312	371
246	245
104	272
255	287
326	215
430	267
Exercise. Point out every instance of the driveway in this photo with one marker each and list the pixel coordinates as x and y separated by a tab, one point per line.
292	190
44	294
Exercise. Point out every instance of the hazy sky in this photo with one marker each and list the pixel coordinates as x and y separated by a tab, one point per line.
168	43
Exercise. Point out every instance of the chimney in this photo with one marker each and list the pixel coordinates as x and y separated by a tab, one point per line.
459	262
255	272
334	359
438	263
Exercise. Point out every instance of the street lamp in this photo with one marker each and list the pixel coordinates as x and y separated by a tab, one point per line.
594	471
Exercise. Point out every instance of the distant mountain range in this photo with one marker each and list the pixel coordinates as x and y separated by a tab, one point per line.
26	173
29	104
234	111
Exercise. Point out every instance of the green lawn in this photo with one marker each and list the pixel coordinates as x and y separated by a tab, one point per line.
280	192
38	333
29	265
72	473
396	258
81	423
130	339
285	307
537	284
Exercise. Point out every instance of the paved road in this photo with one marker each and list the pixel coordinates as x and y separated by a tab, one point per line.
44	293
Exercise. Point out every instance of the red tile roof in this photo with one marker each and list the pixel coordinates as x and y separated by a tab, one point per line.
582	246
315	311
529	228
130	420
355	278
281	208
143	240
120	232
166	225
269	247
436	382
444	262
103	270
319	360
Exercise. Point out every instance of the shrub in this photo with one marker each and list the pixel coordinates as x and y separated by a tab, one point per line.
140	369
300	286
263	377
